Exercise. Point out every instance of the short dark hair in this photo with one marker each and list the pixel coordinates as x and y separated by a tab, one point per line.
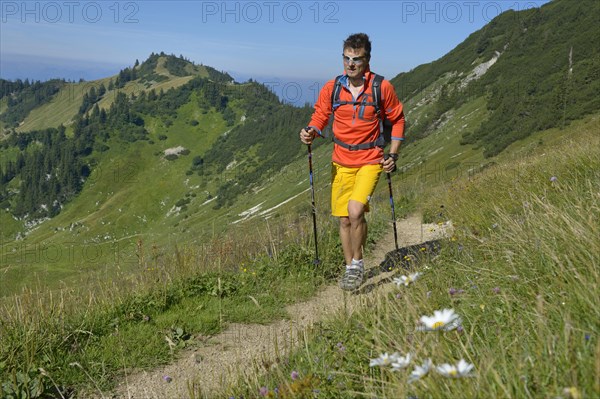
357	41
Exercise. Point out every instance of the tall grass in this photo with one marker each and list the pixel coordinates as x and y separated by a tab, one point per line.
82	339
522	271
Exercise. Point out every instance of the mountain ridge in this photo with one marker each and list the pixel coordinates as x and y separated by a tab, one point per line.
548	73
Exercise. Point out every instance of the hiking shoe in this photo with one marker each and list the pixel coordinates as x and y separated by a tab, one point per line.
352	278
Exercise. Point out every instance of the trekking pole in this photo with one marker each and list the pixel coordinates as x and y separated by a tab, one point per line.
389	180
314	208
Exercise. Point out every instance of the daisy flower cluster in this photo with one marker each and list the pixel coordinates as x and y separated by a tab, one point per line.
398	362
441	320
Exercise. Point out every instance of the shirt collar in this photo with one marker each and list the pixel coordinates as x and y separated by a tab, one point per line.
366	78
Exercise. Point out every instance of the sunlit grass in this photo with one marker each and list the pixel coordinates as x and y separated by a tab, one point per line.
521	271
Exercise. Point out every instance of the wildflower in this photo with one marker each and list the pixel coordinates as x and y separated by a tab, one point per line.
167	379
420	371
460	329
341	347
553	179
441	320
587	337
572	393
401	362
496	290
264	391
406	280
462	369
454	291
384	359
294	375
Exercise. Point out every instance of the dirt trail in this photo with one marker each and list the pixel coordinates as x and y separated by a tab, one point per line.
229	355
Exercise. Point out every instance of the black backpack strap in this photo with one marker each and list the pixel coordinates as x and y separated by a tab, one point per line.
376	90
335	94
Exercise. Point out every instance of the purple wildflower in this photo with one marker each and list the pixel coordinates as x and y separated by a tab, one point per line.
295	375
167	379
496	290
264	391
553	179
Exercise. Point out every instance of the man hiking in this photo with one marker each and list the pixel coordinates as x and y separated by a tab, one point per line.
358	157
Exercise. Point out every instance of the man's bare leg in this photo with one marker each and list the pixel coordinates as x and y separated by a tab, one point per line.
358	228
353	234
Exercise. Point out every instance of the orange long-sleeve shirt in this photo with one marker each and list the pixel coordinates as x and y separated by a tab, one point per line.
357	124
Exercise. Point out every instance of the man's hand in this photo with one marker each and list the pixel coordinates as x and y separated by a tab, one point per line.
307	135
389	162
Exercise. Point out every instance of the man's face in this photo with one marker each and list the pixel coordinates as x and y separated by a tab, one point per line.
355	62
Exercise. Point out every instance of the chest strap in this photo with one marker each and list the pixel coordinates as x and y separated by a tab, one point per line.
380	142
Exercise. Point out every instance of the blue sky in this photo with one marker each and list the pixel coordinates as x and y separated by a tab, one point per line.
279	40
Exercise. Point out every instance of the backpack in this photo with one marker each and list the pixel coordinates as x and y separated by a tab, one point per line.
385	126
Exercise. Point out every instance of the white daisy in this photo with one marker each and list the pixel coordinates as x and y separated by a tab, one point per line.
406	280
384	359
462	369
441	320
420	371
401	362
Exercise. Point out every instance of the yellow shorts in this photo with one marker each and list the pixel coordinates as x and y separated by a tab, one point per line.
356	184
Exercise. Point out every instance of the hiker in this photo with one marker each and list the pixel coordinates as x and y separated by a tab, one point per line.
358	156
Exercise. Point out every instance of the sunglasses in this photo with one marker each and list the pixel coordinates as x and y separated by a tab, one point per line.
354	60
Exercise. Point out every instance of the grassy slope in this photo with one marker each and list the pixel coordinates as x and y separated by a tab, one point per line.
121	203
65	104
204	304
130	198
521	271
